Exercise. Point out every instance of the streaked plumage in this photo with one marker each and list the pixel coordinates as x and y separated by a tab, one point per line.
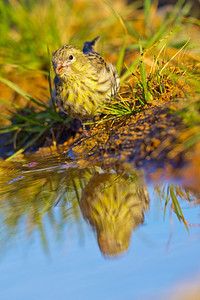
84	82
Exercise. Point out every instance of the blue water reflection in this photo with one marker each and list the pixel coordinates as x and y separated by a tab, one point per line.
75	268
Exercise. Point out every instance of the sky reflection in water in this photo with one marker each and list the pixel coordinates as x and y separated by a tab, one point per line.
68	264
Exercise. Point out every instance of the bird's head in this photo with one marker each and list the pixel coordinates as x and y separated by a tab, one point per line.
68	60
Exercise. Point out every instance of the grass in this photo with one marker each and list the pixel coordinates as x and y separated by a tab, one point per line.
25	36
148	69
153	59
29	124
143	87
172	195
33	203
30	27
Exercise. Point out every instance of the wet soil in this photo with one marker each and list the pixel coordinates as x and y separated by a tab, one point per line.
147	136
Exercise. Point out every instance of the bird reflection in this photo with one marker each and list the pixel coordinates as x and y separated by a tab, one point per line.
114	206
112	203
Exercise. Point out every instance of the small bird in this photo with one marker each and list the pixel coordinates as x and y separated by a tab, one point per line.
84	82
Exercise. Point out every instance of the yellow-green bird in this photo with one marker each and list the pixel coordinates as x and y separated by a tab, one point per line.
84	82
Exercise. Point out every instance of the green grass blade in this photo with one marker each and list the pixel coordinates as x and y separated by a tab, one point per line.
177	207
147	95
21	92
49	80
15	88
15	105
147	6
129	69
29	120
121	58
8	129
20	151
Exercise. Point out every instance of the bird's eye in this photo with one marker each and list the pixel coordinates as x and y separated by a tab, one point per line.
71	57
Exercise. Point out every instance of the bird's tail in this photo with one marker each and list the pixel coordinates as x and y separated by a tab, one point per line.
90	46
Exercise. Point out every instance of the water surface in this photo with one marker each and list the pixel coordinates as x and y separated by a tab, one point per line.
94	233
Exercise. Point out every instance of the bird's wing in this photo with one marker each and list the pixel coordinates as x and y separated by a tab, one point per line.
95	58
90	46
97	61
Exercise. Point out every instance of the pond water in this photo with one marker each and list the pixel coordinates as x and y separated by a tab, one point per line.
94	233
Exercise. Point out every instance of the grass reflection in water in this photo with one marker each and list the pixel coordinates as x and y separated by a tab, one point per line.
112	201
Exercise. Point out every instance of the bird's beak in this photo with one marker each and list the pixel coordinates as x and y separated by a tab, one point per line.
60	68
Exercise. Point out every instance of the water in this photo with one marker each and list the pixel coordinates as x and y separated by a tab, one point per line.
93	233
